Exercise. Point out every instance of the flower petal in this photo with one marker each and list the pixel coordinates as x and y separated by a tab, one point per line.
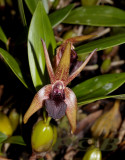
37	102
48	63
71	101
74	74
56	110
62	71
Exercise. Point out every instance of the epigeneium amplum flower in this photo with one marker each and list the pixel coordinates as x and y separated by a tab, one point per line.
57	98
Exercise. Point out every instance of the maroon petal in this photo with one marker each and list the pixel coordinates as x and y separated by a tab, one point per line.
71	101
56	110
37	102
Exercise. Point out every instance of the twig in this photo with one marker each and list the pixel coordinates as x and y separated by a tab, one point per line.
117	63
3	158
106	1
1	90
91	67
101	31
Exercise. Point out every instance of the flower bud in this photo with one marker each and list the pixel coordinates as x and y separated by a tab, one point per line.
5	125
93	153
43	136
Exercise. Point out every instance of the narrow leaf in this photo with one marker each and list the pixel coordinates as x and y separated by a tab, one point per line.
40	27
3	137
58	16
100	44
13	64
15	140
3	37
98	86
97	16
121	96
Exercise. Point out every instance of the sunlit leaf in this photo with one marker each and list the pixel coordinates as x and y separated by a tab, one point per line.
58	16
98	87
100	44
97	16
31	4
13	64
46	6
40	27
15	140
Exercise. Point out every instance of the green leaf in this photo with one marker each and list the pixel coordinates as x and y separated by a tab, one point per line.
58	16
3	137
121	96
21	10
15	140
31	4
100	44
97	16
3	37
13	64
40	27
98	86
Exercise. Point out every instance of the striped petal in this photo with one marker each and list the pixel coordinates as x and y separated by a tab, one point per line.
62	71
38	101
48	63
71	101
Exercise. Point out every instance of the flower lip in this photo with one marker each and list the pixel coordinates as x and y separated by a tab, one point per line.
55	109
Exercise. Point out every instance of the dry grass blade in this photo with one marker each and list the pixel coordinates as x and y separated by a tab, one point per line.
121	132
86	121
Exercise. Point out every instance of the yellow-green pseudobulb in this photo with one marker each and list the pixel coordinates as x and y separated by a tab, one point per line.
93	153
43	137
5	125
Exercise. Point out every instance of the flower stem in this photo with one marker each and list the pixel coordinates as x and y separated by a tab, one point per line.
44	116
48	120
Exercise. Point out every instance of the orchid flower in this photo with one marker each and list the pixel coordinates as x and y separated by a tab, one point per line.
56	97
